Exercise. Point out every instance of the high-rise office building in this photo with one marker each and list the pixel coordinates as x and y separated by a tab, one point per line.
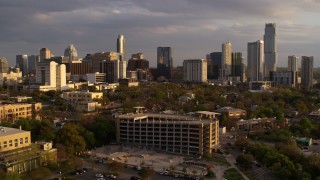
256	61
306	72
293	66
121	49
22	63
236	58
45	54
270	49
195	70
226	59
32	62
71	52
51	75
214	70
137	61
3	65
164	62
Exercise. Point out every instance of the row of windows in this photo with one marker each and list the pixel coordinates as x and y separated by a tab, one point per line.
9	143
158	125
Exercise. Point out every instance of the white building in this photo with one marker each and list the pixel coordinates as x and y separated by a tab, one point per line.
121	47
226	60
270	49
195	70
51	76
256	60
11	78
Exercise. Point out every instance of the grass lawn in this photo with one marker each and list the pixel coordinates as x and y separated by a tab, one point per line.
232	174
217	159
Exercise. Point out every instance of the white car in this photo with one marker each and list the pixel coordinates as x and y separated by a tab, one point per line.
101	179
99	175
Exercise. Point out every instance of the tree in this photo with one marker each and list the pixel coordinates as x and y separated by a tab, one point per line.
245	161
146	173
210	174
69	136
38	174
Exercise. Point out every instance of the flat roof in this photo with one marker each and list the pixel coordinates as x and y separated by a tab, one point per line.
6	131
166	117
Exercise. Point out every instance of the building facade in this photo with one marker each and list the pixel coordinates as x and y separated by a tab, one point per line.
195	70
187	135
121	49
226	60
12	112
82	96
214	67
236	65
52	75
19	155
232	112
32	63
4	65
293	66
164	62
282	79
22	63
45	53
270	49
71	52
256	61
306	72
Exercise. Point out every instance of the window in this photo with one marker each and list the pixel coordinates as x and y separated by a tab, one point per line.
26	140
21	140
16	143
10	143
5	144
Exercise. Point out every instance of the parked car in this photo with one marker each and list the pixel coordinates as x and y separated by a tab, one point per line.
99	175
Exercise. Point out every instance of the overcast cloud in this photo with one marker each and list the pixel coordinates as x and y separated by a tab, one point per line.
192	27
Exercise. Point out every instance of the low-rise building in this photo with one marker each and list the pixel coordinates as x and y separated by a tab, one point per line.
81	96
83	101
181	134
18	154
14	111
232	112
259	86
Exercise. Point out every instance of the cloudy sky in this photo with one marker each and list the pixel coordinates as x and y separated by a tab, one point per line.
192	27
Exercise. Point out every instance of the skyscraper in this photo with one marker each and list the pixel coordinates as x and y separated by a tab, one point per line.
270	49
256	61
22	63
195	70
293	66
226	59
32	62
236	65
306	72
71	52
214	71
3	65
164	62
121	47
45	54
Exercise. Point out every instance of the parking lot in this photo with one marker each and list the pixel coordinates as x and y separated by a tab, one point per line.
135	156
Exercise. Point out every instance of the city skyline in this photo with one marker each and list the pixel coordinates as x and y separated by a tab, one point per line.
192	29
